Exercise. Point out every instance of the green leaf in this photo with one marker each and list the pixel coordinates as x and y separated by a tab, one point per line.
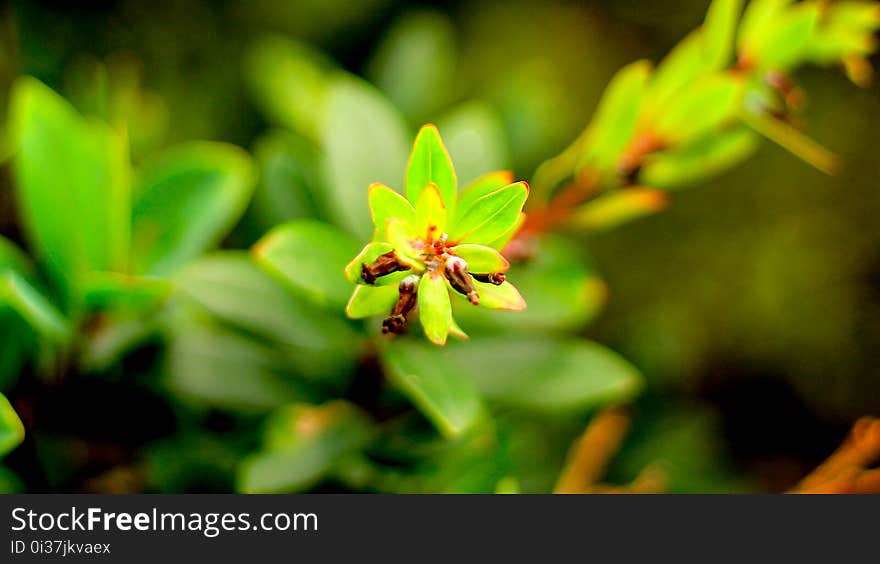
368	255
386	204
11	429
289	80
420	46
476	140
719	31
490	216
187	201
429	163
616	207
792	140
545	375
445	395
480	187
288	181
616	116
430	216
13	259
302	445
213	367
505	296
699	160
35	309
73	185
562	292
758	16
678	70
784	41
364	141
234	289
481	259
401	234
311	258
706	105
111	290
367	301
435	309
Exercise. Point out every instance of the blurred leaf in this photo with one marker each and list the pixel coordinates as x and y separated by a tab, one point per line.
615	119
435	309
680	68
783	40
310	257
35	309
312	342
617	207
719	30
73	184
109	290
446	396
302	443
490	216
758	16
429	163
288	180
186	202
702	159
11	429
560	290
476	139
706	105
416	64
364	141
13	259
367	301
289	81
215	367
545	375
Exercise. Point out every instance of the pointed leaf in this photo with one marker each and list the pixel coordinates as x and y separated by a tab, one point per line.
311	257
491	216
481	259
386	204
718	32
705	106
367	301
483	185
435	309
616	117
35	309
678	70
430	217
73	185
187	201
429	163
447	398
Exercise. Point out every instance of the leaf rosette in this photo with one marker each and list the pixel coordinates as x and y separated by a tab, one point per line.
437	243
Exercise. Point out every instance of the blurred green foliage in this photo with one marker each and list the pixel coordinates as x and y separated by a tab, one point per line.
124	277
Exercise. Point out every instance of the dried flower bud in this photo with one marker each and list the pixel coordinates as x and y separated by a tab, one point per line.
460	280
385	264
406	301
494	278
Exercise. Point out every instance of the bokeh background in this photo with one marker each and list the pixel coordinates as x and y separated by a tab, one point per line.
751	305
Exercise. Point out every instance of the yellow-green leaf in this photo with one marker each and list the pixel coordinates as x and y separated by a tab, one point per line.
367	301
491	216
429	163
430	216
386	204
367	256
435	309
481	259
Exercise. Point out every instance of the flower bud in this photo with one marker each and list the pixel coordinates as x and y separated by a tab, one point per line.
406	301
494	278
460	280
384	264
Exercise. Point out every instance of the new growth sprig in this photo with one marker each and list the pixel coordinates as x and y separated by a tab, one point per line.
702	109
436	243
